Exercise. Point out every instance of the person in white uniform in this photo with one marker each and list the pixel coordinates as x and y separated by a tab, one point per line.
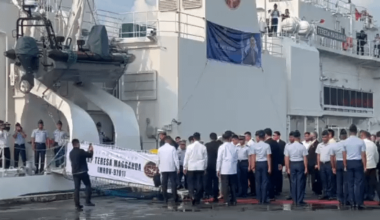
306	142
4	147
181	156
60	141
324	165
19	147
251	175
39	139
194	166
226	166
372	160
261	165
296	164
168	166
355	164
243	166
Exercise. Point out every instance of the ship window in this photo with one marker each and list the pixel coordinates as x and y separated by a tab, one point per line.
333	96
340	97
326	94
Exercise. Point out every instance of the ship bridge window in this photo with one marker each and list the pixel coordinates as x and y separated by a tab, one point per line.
347	98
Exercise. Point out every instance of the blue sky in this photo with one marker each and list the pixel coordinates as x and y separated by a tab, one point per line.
127	5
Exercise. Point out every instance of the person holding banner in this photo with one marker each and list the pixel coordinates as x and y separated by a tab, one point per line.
78	158
168	164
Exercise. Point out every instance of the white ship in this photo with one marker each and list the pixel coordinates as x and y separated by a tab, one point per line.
314	75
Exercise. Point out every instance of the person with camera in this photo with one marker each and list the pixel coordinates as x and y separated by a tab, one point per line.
19	147
79	169
4	135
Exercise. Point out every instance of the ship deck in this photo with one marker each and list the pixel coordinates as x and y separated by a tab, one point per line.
111	208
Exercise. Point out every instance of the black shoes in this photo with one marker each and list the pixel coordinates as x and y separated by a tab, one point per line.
79	208
90	204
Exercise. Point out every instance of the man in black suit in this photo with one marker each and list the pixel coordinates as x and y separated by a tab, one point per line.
212	181
162	136
316	184
276	163
281	143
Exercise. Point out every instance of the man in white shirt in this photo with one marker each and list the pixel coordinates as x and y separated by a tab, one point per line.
226	167
60	141
243	166
372	160
324	165
251	175
19	146
168	166
181	156
4	135
194	166
39	139
306	142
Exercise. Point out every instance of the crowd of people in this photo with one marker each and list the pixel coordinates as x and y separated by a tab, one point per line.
234	166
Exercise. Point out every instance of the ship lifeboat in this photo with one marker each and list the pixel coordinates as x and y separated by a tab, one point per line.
304	28
289	25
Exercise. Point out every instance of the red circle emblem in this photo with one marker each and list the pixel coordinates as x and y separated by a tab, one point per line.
233	4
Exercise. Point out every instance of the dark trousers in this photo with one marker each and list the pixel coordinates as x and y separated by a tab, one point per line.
7	158
242	172
252	182
40	154
360	48
262	180
326	176
272	182
212	186
172	176
290	185
78	178
316	183
179	179
59	152
341	183
20	151
370	184
195	183
279	182
333	181
274	25
298	178
355	178
229	186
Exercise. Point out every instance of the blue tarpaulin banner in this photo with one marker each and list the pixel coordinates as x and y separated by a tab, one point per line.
233	46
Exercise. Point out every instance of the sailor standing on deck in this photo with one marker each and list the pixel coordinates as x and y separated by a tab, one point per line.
261	164
355	164
296	164
39	139
59	145
168	166
226	166
338	167
194	166
324	165
19	146
78	159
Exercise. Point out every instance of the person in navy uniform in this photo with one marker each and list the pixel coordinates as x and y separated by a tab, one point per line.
338	168
39	139
296	164
354	160
243	166
261	165
324	165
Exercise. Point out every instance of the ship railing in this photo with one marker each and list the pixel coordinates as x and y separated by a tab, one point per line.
189	26
352	46
334	6
52	155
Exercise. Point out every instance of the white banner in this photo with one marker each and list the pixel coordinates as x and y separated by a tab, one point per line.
118	164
